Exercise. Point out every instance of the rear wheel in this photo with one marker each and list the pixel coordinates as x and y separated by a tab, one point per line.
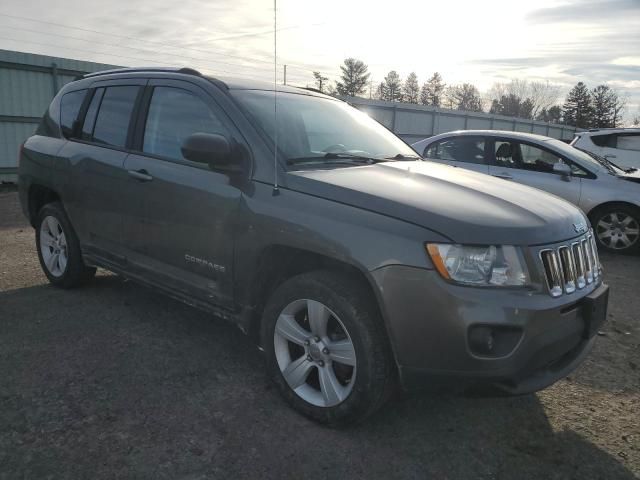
59	249
326	348
617	228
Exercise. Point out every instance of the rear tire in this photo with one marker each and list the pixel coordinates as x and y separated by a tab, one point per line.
59	249
355	375
617	228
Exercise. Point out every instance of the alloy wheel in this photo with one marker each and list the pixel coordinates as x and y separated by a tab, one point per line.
53	246
618	230
315	353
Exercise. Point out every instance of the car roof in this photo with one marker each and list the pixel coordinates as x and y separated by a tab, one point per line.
606	131
490	133
228	83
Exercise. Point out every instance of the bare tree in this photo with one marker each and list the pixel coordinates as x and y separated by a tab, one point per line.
537	95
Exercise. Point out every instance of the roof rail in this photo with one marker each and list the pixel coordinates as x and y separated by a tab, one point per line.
185	70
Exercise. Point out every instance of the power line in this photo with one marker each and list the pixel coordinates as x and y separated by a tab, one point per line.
113	55
135	48
208	52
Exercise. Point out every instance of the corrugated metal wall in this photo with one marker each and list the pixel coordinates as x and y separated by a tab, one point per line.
28	82
415	122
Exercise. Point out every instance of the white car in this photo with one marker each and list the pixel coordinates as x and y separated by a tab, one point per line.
618	145
609	195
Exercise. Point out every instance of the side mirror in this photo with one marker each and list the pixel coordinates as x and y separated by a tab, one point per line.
562	169
209	148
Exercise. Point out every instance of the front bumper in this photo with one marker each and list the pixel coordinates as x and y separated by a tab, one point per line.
429	323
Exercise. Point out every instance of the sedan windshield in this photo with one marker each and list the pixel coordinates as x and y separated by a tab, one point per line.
315	130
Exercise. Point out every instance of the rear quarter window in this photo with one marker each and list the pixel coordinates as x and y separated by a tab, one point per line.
70	105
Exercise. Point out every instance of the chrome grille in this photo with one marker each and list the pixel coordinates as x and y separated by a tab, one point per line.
571	267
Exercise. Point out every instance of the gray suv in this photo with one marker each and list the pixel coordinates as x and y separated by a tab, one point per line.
355	265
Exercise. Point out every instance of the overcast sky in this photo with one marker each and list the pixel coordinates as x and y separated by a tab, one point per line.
595	41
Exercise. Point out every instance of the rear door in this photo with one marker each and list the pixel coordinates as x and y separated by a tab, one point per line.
462	151
531	164
96	157
180	224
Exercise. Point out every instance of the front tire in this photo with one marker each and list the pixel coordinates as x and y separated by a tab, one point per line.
326	347
59	249
617	228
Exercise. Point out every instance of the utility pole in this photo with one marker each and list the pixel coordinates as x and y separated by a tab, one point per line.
285	74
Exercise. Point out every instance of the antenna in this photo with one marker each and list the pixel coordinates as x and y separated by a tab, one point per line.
276	191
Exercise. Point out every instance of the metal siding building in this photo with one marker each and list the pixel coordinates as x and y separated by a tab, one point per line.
28	82
415	122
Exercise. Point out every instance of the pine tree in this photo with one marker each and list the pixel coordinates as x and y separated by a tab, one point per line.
433	91
551	115
467	97
354	78
577	109
392	87
411	89
605	103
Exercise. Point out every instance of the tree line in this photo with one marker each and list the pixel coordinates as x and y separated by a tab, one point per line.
601	107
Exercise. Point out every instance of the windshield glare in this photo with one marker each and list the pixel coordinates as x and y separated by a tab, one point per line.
310	126
575	153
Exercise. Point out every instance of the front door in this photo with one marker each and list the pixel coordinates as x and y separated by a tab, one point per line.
532	165
180	230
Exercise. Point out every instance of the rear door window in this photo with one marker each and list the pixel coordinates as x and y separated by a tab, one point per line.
90	117
114	115
463	149
70	105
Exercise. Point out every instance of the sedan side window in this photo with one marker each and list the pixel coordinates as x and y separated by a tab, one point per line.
537	159
463	149
174	114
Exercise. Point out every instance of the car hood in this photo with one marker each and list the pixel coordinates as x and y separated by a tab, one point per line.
633	177
465	206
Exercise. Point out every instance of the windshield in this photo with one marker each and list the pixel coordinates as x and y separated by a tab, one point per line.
575	153
320	130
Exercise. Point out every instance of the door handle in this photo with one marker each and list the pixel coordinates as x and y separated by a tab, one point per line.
610	156
141	175
506	176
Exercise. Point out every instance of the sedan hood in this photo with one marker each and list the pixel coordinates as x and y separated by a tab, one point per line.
465	206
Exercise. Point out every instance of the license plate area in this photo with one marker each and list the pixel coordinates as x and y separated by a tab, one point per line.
594	310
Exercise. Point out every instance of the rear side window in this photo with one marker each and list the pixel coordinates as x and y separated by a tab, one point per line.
69	109
629	142
112	123
463	149
174	114
604	140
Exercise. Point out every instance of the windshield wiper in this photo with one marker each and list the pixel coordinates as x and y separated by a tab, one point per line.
401	156
332	157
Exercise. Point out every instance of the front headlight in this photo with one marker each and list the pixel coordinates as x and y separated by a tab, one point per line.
484	266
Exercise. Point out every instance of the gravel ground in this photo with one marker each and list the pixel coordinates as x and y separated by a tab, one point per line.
117	381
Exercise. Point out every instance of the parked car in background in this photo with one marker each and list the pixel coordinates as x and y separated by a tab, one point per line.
608	194
362	265
618	145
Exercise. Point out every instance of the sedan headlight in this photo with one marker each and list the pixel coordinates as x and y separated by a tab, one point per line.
483	266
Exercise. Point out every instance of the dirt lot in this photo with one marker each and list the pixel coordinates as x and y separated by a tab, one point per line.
116	381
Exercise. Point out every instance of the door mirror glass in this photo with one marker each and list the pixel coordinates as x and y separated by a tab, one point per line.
562	169
210	148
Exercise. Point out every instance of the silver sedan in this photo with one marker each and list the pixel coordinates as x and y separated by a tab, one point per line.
608	194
